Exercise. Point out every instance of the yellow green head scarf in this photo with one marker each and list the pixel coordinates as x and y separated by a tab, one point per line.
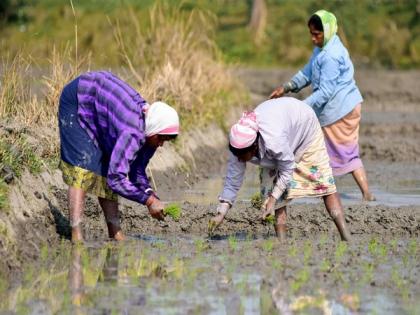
329	23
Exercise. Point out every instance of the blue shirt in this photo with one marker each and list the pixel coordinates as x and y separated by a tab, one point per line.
330	71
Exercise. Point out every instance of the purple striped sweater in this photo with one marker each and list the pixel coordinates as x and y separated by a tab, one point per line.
111	113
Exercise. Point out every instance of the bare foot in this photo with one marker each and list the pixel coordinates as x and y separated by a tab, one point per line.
76	235
369	197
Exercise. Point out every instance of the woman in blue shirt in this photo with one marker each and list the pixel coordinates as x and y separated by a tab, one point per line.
335	99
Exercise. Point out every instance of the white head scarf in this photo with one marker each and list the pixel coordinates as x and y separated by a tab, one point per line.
161	119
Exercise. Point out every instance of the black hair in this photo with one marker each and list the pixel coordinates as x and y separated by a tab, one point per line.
171	137
239	152
316	22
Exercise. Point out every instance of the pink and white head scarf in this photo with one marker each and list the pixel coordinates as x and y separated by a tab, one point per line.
161	119
244	132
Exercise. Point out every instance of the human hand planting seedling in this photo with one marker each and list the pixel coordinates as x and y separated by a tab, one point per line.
267	208
155	207
173	210
214	222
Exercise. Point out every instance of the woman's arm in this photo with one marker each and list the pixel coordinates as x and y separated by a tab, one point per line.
234	177
329	74
298	81
125	151
285	164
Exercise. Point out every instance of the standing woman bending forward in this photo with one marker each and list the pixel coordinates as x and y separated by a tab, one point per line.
335	99
284	137
108	134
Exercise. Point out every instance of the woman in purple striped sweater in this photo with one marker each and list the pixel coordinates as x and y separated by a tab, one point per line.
108	133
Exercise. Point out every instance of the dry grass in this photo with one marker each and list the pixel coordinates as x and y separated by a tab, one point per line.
176	60
172	57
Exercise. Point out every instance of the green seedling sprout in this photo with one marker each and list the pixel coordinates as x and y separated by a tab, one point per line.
268	245
233	242
270	219
173	210
256	200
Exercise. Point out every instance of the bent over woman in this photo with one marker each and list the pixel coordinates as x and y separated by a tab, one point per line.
284	137
108	133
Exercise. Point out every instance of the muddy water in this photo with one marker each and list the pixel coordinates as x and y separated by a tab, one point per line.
402	192
238	274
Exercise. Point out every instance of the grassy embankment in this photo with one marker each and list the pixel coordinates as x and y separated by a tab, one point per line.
167	54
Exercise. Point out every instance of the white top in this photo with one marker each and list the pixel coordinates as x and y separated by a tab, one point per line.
287	127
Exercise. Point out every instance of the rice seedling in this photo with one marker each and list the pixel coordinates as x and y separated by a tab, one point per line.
270	219
307	252
267	245
292	252
256	200
325	265
233	242
401	284
173	210
302	277
340	251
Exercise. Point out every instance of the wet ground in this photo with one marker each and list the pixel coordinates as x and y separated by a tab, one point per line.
234	274
175	268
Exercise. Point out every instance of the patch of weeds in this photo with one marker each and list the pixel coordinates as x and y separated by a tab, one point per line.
173	210
4	202
17	154
233	242
256	200
44	253
3	285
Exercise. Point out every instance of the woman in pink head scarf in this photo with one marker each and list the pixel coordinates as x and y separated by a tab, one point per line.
284	137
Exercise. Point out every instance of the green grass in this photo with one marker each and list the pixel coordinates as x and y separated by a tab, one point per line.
173	210
384	33
17	154
4	205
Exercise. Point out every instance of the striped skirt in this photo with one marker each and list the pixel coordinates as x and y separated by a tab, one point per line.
342	141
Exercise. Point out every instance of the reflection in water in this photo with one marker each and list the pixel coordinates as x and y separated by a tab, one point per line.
76	285
171	275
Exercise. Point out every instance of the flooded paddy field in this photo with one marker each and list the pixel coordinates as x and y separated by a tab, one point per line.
230	274
174	267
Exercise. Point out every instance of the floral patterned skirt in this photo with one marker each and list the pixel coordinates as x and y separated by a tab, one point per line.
312	176
86	180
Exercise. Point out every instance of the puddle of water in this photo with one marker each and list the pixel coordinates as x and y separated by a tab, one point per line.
191	275
403	193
